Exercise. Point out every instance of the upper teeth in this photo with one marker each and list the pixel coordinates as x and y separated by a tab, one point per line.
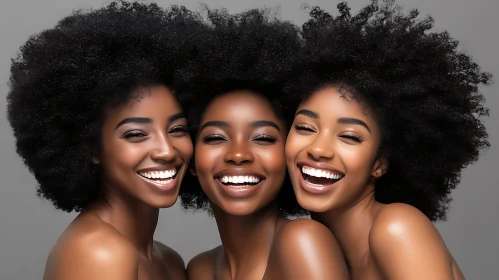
320	173
159	174
239	179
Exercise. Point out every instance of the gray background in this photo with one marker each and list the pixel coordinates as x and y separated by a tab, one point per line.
29	226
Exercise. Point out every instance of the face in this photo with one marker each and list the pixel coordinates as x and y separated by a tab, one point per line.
146	148
239	153
331	151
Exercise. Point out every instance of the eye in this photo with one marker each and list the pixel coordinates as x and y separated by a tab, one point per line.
180	130
133	134
265	139
213	139
304	128
354	138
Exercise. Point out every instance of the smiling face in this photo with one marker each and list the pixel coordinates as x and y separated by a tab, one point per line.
331	151
239	153
146	148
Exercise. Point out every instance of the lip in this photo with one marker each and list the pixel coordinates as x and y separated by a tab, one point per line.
318	165
161	168
238	192
162	185
314	188
238	172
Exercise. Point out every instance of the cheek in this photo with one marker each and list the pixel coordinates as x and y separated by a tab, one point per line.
356	159
294	144
206	157
184	146
273	159
120	159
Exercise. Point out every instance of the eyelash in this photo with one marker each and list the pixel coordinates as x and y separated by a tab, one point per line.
265	138
213	137
218	137
133	133
180	128
355	138
299	127
138	133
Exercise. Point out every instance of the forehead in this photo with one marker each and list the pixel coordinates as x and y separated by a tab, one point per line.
152	102
332	102
239	106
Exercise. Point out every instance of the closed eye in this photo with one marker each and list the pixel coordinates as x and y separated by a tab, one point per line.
355	138
179	130
133	134
214	138
304	128
265	138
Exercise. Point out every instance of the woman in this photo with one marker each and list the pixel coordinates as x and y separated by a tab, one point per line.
239	163
96	121
388	115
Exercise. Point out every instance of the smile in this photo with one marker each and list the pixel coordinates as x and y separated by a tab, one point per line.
317	180
239	181
162	179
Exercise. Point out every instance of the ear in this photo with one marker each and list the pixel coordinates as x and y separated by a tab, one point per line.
380	167
95	160
193	171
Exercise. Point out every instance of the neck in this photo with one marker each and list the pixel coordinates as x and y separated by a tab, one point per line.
247	239
133	219
351	226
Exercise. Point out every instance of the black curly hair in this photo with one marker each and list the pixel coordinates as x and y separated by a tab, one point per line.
65	78
421	89
253	50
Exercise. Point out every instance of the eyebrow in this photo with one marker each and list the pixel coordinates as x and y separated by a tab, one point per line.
353	121
148	120
314	115
134	120
308	113
254	124
265	123
214	123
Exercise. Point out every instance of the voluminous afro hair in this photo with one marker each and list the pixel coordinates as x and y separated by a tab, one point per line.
252	51
65	78
420	88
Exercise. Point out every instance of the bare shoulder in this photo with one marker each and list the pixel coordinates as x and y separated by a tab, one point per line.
405	243
172	260
202	266
398	221
91	250
306	249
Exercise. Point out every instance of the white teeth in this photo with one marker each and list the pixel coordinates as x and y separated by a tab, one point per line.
239	179
165	174
320	173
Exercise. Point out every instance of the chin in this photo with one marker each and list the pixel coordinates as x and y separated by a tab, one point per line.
163	202
239	209
313	204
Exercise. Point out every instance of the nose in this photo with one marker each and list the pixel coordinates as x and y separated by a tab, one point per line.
163	150
322	148
238	154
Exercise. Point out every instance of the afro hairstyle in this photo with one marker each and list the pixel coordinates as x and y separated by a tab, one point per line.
66	77
254	51
422	90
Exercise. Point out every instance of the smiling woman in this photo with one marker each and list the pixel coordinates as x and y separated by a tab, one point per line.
239	169
97	121
387	114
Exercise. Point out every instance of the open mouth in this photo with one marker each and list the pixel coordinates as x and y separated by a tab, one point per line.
160	177
239	181
320	176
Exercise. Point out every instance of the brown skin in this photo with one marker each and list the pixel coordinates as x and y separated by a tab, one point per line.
113	238
379	241
240	134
